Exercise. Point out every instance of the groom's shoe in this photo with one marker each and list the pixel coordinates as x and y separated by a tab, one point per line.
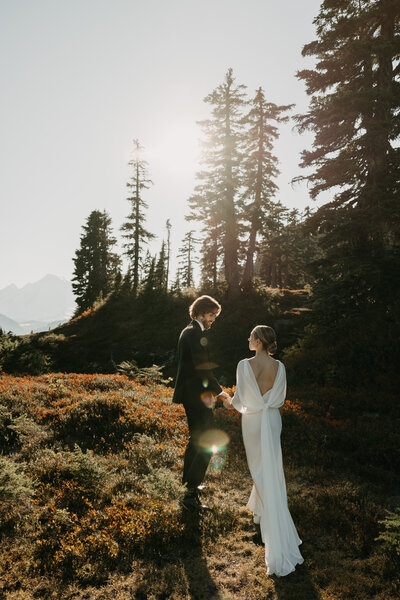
192	502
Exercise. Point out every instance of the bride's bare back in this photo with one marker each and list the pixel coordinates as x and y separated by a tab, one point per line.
265	369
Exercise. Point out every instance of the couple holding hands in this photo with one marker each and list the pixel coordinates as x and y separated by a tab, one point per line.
260	392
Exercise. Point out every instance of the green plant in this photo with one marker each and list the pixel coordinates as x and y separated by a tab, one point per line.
390	537
160	483
16	490
142	374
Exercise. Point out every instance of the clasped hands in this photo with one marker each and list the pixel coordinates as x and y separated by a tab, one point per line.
226	399
210	399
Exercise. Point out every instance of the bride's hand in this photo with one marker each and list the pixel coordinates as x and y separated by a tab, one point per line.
227	401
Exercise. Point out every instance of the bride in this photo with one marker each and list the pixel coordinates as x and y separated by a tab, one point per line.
260	391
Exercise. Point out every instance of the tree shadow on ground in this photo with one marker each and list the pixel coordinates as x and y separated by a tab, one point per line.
298	585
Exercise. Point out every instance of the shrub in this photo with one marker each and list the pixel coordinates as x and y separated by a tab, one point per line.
390	537
145	452
160	483
26	358
7	437
29	434
8	343
71	480
142	374
16	490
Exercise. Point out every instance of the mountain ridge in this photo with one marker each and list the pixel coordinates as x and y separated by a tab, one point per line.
37	305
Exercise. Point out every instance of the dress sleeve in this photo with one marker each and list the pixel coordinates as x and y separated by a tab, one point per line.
278	393
237	400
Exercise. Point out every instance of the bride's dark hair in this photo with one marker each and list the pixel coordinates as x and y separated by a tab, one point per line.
267	337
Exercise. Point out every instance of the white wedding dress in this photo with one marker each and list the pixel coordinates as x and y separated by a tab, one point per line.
261	428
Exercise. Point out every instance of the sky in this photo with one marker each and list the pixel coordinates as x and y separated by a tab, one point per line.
81	79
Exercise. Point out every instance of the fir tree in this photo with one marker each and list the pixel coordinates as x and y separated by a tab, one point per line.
168	227
148	283
96	266
214	201
187	260
134	232
260	170
160	270
212	256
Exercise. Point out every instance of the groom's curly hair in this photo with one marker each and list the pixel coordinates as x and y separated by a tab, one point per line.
202	305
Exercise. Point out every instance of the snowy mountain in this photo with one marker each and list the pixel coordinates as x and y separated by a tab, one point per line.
36	306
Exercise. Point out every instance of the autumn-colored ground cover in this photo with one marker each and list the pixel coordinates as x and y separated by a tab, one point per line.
90	471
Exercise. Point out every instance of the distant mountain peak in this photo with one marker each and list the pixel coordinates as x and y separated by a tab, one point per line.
47	300
10	287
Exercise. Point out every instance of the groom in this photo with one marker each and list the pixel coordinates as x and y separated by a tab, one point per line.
197	389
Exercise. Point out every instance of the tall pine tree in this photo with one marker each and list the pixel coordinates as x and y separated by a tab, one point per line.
260	170
96	265
133	229
215	198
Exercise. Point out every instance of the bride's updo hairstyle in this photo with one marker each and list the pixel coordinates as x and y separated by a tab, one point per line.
267	337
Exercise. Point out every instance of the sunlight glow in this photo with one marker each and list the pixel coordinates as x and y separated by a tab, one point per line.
176	148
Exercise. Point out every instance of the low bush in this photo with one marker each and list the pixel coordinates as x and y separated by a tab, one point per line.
16	491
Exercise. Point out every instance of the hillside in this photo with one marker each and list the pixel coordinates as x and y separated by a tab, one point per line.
89	487
146	329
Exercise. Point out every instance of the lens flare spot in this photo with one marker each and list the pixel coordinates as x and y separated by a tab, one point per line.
203	341
215	442
205	383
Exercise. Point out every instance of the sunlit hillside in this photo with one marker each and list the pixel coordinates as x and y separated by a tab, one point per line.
90	471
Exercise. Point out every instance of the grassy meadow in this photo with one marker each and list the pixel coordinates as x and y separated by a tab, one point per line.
90	470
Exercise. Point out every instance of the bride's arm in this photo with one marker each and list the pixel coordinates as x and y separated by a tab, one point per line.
237	400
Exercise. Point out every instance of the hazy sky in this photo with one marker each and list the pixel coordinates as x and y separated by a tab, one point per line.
80	79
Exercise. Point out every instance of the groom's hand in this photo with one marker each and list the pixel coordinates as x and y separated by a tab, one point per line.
209	399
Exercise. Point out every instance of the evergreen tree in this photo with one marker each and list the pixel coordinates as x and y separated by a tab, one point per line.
176	287
272	247
187	260
96	266
260	170
148	283
214	201
212	253
160	270
288	250
354	114
168	227
135	234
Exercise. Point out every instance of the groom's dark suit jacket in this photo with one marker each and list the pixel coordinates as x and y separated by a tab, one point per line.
195	373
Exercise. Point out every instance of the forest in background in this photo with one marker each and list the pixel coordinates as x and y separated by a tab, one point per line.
251	248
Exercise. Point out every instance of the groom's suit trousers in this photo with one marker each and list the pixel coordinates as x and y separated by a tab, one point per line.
197	456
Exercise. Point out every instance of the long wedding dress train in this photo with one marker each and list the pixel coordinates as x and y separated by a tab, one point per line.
261	428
